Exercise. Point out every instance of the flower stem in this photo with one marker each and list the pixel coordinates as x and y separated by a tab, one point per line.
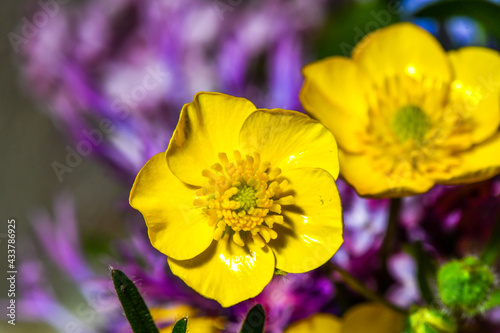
391	231
360	288
492	249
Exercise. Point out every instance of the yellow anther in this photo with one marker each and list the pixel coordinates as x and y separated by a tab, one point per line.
258	240
243	199
200	202
217	167
237	239
275	208
288	200
223	159
274	173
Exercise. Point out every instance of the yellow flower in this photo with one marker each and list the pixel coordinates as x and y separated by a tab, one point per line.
406	114
166	317
240	192
363	318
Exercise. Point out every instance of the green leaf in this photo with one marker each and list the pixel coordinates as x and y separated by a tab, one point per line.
255	320
135	309
491	251
484	11
493	301
180	326
425	269
361	289
350	22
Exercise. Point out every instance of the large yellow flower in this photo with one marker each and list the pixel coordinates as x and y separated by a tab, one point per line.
363	318
406	114
240	192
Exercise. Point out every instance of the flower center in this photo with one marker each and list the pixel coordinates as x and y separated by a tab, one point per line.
243	198
246	197
410	122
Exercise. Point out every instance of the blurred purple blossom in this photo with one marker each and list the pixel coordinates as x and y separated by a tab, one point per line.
405	291
365	222
135	63
285	299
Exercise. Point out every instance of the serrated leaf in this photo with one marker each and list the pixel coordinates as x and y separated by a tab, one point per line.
254	321
135	308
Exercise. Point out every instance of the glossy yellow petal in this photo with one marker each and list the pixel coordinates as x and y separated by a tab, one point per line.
312	231
360	173
175	226
210	124
227	272
200	325
476	89
373	318
318	323
400	49
333	93
477	164
289	140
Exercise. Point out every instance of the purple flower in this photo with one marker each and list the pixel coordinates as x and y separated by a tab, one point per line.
133	64
405	291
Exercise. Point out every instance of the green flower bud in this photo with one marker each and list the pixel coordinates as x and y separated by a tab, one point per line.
427	320
465	284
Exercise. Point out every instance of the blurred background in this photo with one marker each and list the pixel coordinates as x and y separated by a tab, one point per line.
92	89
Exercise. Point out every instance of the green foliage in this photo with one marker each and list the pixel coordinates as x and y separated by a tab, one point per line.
483	11
426	268
428	320
134	306
493	301
180	326
492	249
465	284
350	22
255	320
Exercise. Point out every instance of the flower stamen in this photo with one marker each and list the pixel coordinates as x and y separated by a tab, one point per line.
243	198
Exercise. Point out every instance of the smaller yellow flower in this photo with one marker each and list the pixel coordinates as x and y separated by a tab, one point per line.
363	318
166	317
408	115
240	192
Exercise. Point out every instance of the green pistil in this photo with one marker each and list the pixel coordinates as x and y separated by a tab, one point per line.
410	122
246	197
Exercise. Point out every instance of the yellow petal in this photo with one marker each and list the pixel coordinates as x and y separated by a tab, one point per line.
399	49
176	227
227	272
367	180
210	124
200	325
318	323
476	89
312	231
165	315
333	93
477	164
373	318
289	140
